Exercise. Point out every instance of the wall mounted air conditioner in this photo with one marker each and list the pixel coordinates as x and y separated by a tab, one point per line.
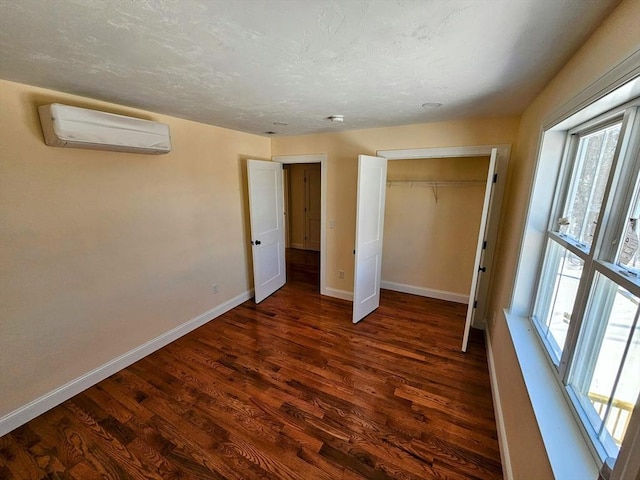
74	127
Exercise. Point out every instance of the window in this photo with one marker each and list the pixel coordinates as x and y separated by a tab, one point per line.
587	299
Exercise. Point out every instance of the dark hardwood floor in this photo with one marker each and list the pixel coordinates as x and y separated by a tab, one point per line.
288	389
303	267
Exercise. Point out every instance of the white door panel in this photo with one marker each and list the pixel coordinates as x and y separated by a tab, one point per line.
480	274
266	210
372	178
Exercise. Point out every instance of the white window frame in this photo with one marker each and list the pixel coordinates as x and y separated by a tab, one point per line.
568	451
600	256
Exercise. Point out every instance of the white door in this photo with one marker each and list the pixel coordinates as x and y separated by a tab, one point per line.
480	273
266	210
372	180
312	197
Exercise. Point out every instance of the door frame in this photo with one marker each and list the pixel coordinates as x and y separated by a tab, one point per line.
504	152
320	158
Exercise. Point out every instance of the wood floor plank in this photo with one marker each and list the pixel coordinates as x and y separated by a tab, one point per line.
287	389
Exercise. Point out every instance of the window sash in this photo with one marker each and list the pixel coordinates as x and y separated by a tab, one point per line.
605	246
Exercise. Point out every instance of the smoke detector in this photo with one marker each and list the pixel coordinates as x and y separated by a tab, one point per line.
336	118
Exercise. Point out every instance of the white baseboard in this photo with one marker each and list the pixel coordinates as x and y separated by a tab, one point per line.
505	459
425	292
40	405
298	246
342	294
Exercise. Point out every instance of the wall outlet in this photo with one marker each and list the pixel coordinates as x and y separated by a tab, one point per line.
341	274
332	224
214	287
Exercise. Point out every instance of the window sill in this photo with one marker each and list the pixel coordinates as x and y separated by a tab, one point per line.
567	449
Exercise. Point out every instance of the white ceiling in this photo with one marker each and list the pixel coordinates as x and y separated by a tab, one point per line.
245	64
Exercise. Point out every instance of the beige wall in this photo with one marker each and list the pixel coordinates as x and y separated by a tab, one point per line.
615	40
342	151
430	235
103	251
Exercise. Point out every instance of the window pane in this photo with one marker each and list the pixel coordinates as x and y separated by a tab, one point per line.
561	272
589	180
626	393
609	344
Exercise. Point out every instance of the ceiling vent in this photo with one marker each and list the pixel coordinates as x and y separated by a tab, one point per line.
74	127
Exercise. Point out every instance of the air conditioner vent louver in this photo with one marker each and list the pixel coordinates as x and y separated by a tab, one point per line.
74	127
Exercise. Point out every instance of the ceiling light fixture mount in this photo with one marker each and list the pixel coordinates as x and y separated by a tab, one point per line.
336	118
432	105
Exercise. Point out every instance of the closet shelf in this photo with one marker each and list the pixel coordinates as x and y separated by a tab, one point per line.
435	183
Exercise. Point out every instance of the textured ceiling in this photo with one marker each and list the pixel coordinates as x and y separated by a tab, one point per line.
245	64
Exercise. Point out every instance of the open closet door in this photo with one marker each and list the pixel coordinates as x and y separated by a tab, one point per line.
372	181
266	210
480	274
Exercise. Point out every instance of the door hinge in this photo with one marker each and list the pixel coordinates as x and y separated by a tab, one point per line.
475	304
484	245
495	177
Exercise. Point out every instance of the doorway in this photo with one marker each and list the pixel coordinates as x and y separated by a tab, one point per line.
438	200
305	257
302	206
499	157
302	197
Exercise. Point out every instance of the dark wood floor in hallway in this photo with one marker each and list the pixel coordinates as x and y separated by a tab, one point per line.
288	389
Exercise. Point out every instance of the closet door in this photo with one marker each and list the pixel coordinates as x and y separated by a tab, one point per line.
480	273
372	181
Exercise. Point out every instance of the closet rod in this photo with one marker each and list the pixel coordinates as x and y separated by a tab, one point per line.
436	183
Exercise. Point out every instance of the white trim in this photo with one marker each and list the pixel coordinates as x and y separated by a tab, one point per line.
444	152
298	246
310	158
503	444
341	294
320	158
569	454
425	292
27	412
626	70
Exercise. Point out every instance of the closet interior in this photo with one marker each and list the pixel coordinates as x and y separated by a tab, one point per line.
432	218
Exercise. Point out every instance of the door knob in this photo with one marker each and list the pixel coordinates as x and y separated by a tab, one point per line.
482	269
258	242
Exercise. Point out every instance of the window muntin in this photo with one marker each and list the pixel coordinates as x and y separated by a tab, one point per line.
574	307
